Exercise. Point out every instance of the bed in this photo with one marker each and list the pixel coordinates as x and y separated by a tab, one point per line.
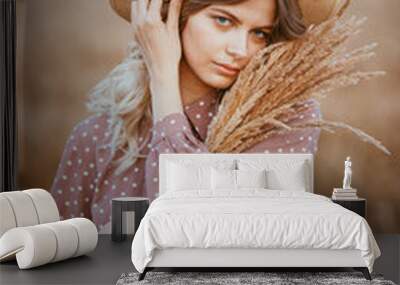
245	211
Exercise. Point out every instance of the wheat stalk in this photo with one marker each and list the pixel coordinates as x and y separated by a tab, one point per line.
273	87
329	126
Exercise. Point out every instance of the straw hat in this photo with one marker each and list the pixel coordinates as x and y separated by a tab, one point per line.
314	11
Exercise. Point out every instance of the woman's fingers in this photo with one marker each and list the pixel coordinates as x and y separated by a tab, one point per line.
133	10
134	16
174	11
142	9
155	9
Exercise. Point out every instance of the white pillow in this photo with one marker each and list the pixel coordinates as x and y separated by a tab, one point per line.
223	179
288	179
229	179
182	178
251	178
186	161
282	174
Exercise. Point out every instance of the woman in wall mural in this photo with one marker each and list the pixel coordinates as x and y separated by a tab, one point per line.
162	97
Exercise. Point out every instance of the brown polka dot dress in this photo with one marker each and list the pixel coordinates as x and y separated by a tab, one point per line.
86	181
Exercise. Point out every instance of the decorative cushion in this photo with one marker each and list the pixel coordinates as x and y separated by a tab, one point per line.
182	178
190	162
251	178
288	179
227	179
282	174
223	179
173	168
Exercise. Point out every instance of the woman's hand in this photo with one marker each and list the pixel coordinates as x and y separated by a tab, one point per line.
161	49
159	42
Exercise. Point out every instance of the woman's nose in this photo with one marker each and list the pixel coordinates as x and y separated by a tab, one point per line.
238	46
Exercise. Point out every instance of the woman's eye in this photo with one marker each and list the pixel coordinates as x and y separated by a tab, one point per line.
222	20
262	35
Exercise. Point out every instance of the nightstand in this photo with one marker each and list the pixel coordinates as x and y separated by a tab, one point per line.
357	206
139	205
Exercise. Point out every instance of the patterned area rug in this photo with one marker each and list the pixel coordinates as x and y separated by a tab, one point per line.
242	278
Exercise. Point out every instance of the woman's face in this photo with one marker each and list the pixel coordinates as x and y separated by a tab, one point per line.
226	34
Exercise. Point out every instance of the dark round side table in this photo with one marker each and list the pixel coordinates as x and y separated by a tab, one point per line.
139	205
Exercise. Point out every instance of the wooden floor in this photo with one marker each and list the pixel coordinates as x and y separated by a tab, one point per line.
110	260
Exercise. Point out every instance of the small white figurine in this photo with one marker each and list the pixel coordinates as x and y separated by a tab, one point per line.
347	174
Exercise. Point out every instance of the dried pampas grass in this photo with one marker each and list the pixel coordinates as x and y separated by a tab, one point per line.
278	80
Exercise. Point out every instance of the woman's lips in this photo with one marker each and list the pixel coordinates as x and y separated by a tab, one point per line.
226	69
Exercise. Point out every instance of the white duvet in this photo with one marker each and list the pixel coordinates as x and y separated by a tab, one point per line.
251	218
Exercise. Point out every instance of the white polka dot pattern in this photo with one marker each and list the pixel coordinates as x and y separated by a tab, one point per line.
86	180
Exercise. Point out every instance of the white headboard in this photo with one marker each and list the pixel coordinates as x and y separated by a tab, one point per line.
214	157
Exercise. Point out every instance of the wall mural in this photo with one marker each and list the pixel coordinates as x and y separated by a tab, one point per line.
101	95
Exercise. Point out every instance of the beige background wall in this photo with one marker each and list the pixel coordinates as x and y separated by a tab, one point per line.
66	46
